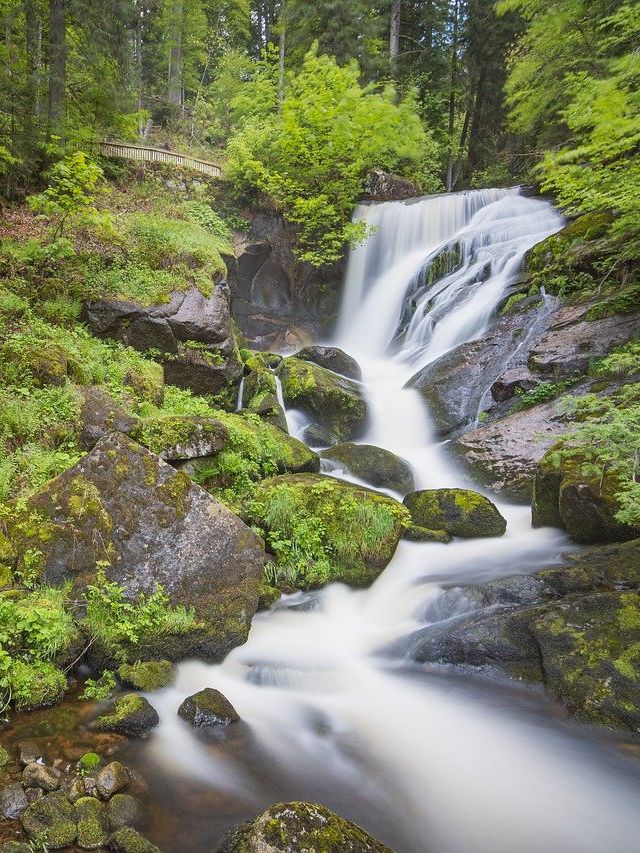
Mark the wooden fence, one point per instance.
(158, 155)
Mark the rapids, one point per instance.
(427, 759)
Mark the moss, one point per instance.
(5, 758)
(128, 840)
(51, 820)
(88, 764)
(460, 512)
(124, 810)
(163, 433)
(206, 708)
(93, 823)
(148, 675)
(174, 492)
(415, 533)
(267, 595)
(36, 684)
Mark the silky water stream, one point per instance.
(426, 758)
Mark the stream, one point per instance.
(426, 758)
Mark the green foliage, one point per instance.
(542, 393)
(311, 158)
(99, 689)
(89, 763)
(623, 361)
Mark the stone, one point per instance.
(297, 826)
(336, 403)
(112, 779)
(460, 512)
(40, 776)
(154, 526)
(332, 358)
(16, 847)
(148, 675)
(378, 467)
(415, 533)
(29, 752)
(93, 823)
(179, 437)
(208, 708)
(129, 715)
(5, 758)
(384, 186)
(13, 801)
(76, 790)
(511, 382)
(100, 415)
(51, 820)
(124, 810)
(129, 840)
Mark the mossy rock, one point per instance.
(342, 532)
(297, 826)
(51, 820)
(148, 675)
(415, 533)
(5, 758)
(332, 358)
(206, 708)
(336, 403)
(93, 823)
(378, 467)
(459, 512)
(582, 504)
(129, 715)
(129, 840)
(179, 437)
(124, 810)
(100, 415)
(268, 595)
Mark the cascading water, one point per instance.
(427, 760)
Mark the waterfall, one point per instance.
(431, 761)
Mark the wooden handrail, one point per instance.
(158, 155)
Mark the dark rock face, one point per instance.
(208, 708)
(332, 358)
(153, 525)
(288, 827)
(460, 512)
(100, 415)
(383, 186)
(130, 715)
(376, 466)
(189, 317)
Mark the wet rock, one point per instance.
(51, 820)
(100, 415)
(285, 827)
(93, 823)
(335, 402)
(176, 438)
(205, 371)
(16, 847)
(148, 675)
(332, 358)
(260, 390)
(155, 527)
(40, 776)
(128, 840)
(76, 790)
(13, 801)
(377, 467)
(415, 533)
(207, 708)
(383, 186)
(124, 810)
(460, 512)
(111, 779)
(130, 715)
(30, 752)
(512, 382)
(5, 758)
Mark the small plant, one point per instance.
(99, 689)
(88, 764)
(542, 393)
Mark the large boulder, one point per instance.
(259, 394)
(460, 512)
(51, 820)
(176, 438)
(333, 359)
(152, 525)
(384, 186)
(100, 415)
(206, 708)
(130, 715)
(377, 467)
(336, 531)
(336, 403)
(296, 826)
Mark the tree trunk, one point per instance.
(394, 35)
(175, 54)
(57, 65)
(452, 95)
(281, 54)
(32, 41)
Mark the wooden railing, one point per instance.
(158, 155)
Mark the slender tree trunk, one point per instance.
(452, 95)
(32, 40)
(57, 65)
(139, 69)
(394, 35)
(174, 92)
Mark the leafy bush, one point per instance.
(542, 393)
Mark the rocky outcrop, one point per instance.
(383, 186)
(459, 512)
(332, 358)
(123, 506)
(378, 467)
(192, 331)
(288, 827)
(100, 415)
(176, 438)
(336, 404)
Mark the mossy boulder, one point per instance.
(152, 525)
(129, 715)
(206, 708)
(124, 810)
(51, 820)
(459, 512)
(337, 531)
(100, 415)
(297, 826)
(378, 467)
(332, 358)
(260, 390)
(336, 403)
(148, 675)
(93, 823)
(583, 504)
(129, 840)
(179, 437)
(415, 533)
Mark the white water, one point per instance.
(428, 761)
